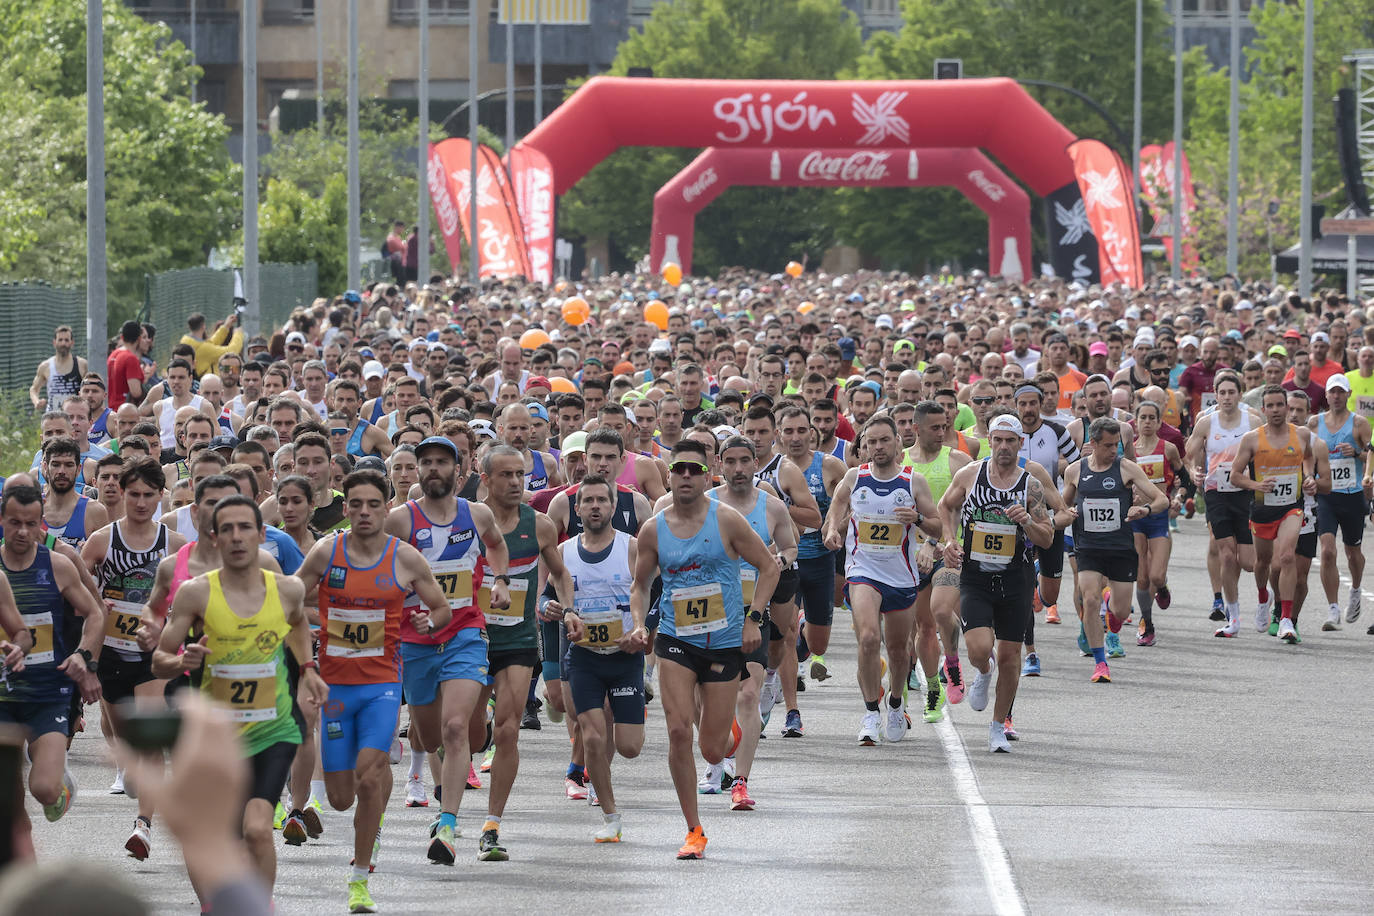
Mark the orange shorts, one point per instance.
(1269, 531)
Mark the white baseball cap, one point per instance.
(373, 369)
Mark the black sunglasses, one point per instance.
(688, 468)
(983, 399)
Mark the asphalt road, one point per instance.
(1211, 776)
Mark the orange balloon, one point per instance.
(562, 385)
(576, 311)
(672, 275)
(793, 269)
(657, 313)
(806, 307)
(532, 339)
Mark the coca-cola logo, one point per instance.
(992, 189)
(702, 182)
(859, 166)
(744, 116)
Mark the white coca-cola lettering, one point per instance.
(702, 182)
(438, 192)
(860, 166)
(992, 189)
(744, 116)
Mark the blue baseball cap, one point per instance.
(352, 296)
(538, 410)
(848, 347)
(439, 441)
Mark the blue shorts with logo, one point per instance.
(424, 667)
(1152, 526)
(893, 599)
(357, 716)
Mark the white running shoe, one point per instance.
(140, 842)
(978, 690)
(1287, 632)
(117, 787)
(1352, 608)
(1263, 611)
(415, 793)
(997, 739)
(894, 725)
(610, 830)
(868, 730)
(769, 694)
(710, 779)
(1333, 618)
(1231, 629)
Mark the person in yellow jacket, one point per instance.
(227, 338)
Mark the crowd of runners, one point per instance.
(501, 505)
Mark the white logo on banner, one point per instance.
(881, 119)
(1074, 222)
(860, 166)
(744, 117)
(1103, 189)
(703, 181)
(462, 177)
(992, 189)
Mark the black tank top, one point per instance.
(993, 543)
(624, 518)
(1103, 501)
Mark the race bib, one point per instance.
(1223, 478)
(121, 625)
(992, 543)
(698, 609)
(1209, 400)
(605, 624)
(455, 578)
(512, 616)
(1343, 473)
(748, 578)
(880, 533)
(1101, 515)
(250, 691)
(1153, 466)
(1285, 491)
(356, 633)
(40, 628)
(1364, 406)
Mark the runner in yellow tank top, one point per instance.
(255, 665)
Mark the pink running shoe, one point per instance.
(1101, 675)
(954, 682)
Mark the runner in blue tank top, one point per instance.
(1346, 437)
(697, 544)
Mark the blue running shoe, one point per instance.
(1031, 666)
(1114, 649)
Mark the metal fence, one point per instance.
(28, 314)
(170, 297)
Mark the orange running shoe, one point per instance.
(739, 796)
(1036, 604)
(1052, 614)
(694, 847)
(474, 782)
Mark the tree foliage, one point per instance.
(720, 39)
(169, 180)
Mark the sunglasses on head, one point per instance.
(688, 468)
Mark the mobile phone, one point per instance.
(150, 729)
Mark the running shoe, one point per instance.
(1333, 619)
(819, 672)
(441, 846)
(739, 796)
(935, 702)
(954, 682)
(487, 756)
(727, 774)
(1146, 639)
(576, 791)
(60, 807)
(895, 726)
(1114, 648)
(489, 848)
(434, 827)
(530, 720)
(1164, 597)
(314, 826)
(359, 900)
(1052, 614)
(868, 729)
(1229, 631)
(1287, 632)
(648, 692)
(735, 735)
(694, 847)
(801, 684)
(913, 680)
(279, 816)
(1189, 507)
(1274, 622)
(978, 690)
(1101, 674)
(395, 753)
(793, 727)
(768, 696)
(1262, 614)
(1083, 648)
(376, 849)
(293, 831)
(474, 781)
(610, 830)
(1352, 607)
(416, 797)
(1218, 610)
(1009, 731)
(1031, 666)
(1036, 604)
(117, 787)
(709, 784)
(140, 842)
(997, 739)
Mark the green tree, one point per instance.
(169, 179)
(720, 39)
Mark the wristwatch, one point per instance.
(87, 658)
(756, 616)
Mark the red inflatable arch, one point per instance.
(708, 176)
(608, 113)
